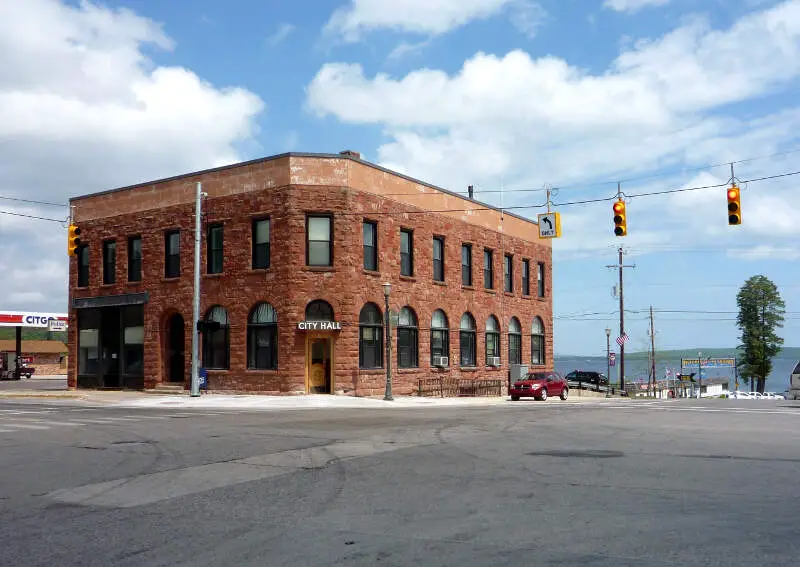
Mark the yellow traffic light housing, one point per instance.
(620, 219)
(734, 206)
(73, 239)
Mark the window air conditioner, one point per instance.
(493, 360)
(441, 361)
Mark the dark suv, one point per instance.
(587, 377)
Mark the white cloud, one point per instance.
(283, 31)
(427, 17)
(764, 252)
(632, 5)
(661, 105)
(82, 108)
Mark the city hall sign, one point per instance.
(319, 326)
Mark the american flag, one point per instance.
(623, 339)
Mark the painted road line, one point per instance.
(25, 426)
(39, 421)
(93, 421)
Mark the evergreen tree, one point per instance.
(761, 313)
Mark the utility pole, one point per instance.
(195, 390)
(621, 343)
(653, 351)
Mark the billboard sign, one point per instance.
(31, 319)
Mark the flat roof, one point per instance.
(303, 155)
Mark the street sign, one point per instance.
(549, 225)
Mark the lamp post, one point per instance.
(608, 361)
(699, 375)
(387, 289)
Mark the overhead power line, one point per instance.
(20, 200)
(32, 216)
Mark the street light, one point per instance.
(387, 289)
(608, 362)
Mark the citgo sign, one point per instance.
(33, 319)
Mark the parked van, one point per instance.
(793, 393)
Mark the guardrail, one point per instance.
(459, 387)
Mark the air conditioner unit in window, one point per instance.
(493, 360)
(441, 361)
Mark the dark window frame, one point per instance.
(538, 343)
(540, 277)
(261, 251)
(440, 335)
(492, 339)
(172, 262)
(262, 357)
(438, 264)
(83, 266)
(328, 216)
(134, 263)
(488, 270)
(370, 251)
(109, 262)
(215, 256)
(370, 349)
(508, 273)
(468, 344)
(466, 269)
(514, 342)
(217, 356)
(526, 276)
(408, 341)
(407, 258)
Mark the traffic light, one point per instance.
(620, 220)
(734, 206)
(73, 239)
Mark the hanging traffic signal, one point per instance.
(734, 206)
(620, 220)
(73, 239)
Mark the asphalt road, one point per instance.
(34, 383)
(599, 484)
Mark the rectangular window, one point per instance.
(466, 264)
(440, 343)
(172, 254)
(541, 279)
(319, 240)
(467, 340)
(407, 352)
(133, 340)
(406, 252)
(83, 266)
(135, 259)
(109, 261)
(370, 347)
(370, 232)
(488, 270)
(508, 273)
(526, 277)
(438, 258)
(88, 342)
(260, 244)
(214, 249)
(514, 349)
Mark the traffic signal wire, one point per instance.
(62, 221)
(20, 200)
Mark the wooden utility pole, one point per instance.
(621, 343)
(652, 351)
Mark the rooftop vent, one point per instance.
(350, 153)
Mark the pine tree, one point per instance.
(761, 313)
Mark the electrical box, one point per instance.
(518, 371)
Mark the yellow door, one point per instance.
(318, 363)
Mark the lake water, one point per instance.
(637, 368)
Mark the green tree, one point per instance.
(761, 312)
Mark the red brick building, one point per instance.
(295, 251)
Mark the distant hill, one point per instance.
(33, 334)
(786, 352)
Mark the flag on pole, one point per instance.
(623, 339)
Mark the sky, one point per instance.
(511, 96)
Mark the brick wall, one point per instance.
(289, 285)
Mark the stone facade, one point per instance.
(285, 189)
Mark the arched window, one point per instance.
(537, 341)
(370, 337)
(319, 310)
(467, 338)
(407, 339)
(492, 338)
(216, 341)
(440, 338)
(262, 338)
(514, 342)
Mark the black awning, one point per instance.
(111, 300)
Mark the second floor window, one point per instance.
(541, 279)
(488, 271)
(466, 265)
(214, 262)
(526, 277)
(406, 252)
(370, 231)
(109, 261)
(508, 273)
(438, 258)
(135, 259)
(319, 240)
(261, 244)
(172, 254)
(83, 266)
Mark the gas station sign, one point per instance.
(34, 319)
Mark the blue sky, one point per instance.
(501, 94)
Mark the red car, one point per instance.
(540, 385)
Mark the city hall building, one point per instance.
(296, 251)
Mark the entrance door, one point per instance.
(318, 366)
(175, 349)
(110, 344)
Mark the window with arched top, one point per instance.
(492, 338)
(514, 341)
(440, 337)
(537, 341)
(216, 339)
(370, 337)
(319, 310)
(262, 338)
(407, 339)
(468, 340)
